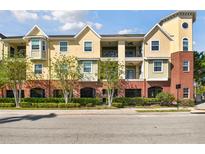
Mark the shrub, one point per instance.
(126, 101)
(151, 101)
(89, 105)
(62, 105)
(73, 105)
(7, 100)
(7, 105)
(165, 98)
(45, 105)
(84, 101)
(139, 101)
(187, 102)
(117, 104)
(43, 100)
(25, 104)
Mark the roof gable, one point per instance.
(155, 28)
(36, 31)
(84, 29)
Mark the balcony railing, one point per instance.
(38, 55)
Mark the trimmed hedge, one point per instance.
(7, 105)
(117, 104)
(138, 101)
(187, 102)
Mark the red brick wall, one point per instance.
(178, 76)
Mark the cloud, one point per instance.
(71, 20)
(25, 15)
(130, 30)
(126, 31)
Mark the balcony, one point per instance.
(17, 50)
(133, 51)
(133, 71)
(109, 50)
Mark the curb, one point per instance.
(197, 112)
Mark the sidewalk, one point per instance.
(123, 111)
(199, 109)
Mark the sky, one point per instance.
(103, 22)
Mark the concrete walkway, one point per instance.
(123, 111)
(199, 109)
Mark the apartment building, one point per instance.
(160, 60)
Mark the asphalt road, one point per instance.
(139, 128)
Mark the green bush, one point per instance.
(43, 100)
(73, 105)
(84, 101)
(140, 101)
(187, 102)
(44, 105)
(25, 104)
(7, 100)
(89, 105)
(151, 101)
(62, 105)
(165, 98)
(7, 105)
(126, 101)
(117, 104)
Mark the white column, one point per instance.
(121, 56)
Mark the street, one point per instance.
(134, 128)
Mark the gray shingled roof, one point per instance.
(122, 35)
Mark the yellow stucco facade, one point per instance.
(169, 33)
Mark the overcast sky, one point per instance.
(104, 22)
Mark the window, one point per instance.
(186, 93)
(155, 45)
(88, 46)
(10, 94)
(43, 45)
(130, 73)
(87, 66)
(57, 93)
(157, 66)
(38, 68)
(132, 92)
(35, 44)
(63, 46)
(185, 25)
(37, 93)
(185, 44)
(186, 66)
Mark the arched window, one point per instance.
(153, 91)
(185, 44)
(87, 92)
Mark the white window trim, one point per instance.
(91, 69)
(183, 43)
(39, 40)
(162, 66)
(34, 69)
(151, 46)
(84, 46)
(188, 93)
(188, 66)
(60, 46)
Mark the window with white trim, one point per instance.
(38, 68)
(63, 46)
(185, 92)
(157, 66)
(155, 45)
(87, 46)
(35, 44)
(185, 44)
(87, 66)
(186, 66)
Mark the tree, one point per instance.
(14, 74)
(67, 70)
(110, 73)
(199, 67)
